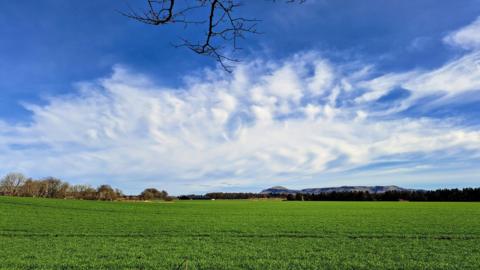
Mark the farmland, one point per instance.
(73, 234)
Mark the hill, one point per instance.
(278, 190)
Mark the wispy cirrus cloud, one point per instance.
(467, 37)
(272, 121)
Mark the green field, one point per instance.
(69, 234)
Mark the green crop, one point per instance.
(70, 234)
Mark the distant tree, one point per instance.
(448, 195)
(185, 197)
(30, 188)
(83, 192)
(118, 192)
(153, 194)
(11, 184)
(51, 187)
(16, 184)
(75, 191)
(106, 193)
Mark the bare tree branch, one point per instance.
(223, 26)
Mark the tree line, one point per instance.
(448, 195)
(17, 184)
(439, 195)
(230, 196)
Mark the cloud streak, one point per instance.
(467, 37)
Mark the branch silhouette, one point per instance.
(224, 28)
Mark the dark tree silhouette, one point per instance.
(153, 194)
(222, 24)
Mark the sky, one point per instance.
(330, 93)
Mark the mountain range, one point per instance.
(278, 190)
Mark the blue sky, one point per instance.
(332, 93)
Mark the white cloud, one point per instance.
(268, 122)
(460, 75)
(294, 120)
(380, 86)
(442, 85)
(467, 37)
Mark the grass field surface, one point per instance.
(69, 234)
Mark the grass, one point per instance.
(68, 234)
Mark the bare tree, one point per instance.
(16, 184)
(30, 188)
(223, 27)
(11, 183)
(84, 192)
(106, 193)
(51, 187)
